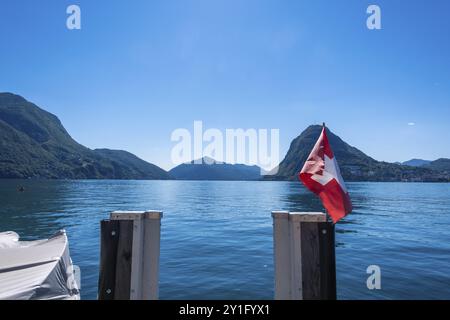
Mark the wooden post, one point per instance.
(304, 256)
(129, 256)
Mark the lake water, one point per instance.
(216, 237)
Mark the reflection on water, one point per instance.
(216, 239)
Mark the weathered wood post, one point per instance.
(304, 255)
(129, 256)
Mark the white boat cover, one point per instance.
(36, 270)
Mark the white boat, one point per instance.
(36, 270)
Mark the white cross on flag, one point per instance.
(321, 175)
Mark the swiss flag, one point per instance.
(321, 175)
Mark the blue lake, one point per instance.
(216, 237)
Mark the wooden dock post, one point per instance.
(129, 256)
(304, 255)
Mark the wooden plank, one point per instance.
(296, 261)
(137, 258)
(151, 254)
(327, 261)
(123, 261)
(109, 235)
(282, 255)
(310, 260)
(307, 216)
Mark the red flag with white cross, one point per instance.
(321, 175)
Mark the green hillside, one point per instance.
(34, 144)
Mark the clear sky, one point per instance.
(137, 70)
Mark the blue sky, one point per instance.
(139, 69)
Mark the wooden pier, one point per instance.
(129, 256)
(304, 256)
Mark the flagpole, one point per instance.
(328, 216)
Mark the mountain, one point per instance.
(416, 162)
(209, 169)
(442, 165)
(34, 144)
(127, 164)
(354, 164)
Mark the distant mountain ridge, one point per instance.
(209, 169)
(34, 144)
(441, 165)
(354, 164)
(416, 162)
